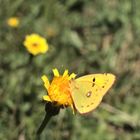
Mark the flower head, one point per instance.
(36, 44)
(51, 32)
(13, 22)
(59, 89)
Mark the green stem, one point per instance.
(43, 124)
(51, 111)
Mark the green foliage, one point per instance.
(84, 36)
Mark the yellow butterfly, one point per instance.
(87, 91)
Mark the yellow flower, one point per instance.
(59, 90)
(13, 22)
(36, 44)
(51, 32)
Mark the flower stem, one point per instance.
(43, 124)
(51, 110)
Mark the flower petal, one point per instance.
(47, 98)
(65, 73)
(73, 75)
(46, 81)
(55, 72)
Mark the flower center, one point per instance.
(59, 91)
(35, 45)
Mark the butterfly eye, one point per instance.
(89, 93)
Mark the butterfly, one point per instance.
(87, 91)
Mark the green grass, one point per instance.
(85, 36)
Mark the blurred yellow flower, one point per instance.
(36, 44)
(59, 89)
(51, 32)
(13, 22)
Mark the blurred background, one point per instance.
(84, 36)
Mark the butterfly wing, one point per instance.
(88, 91)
